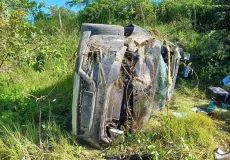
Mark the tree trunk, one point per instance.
(59, 15)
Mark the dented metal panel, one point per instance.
(117, 81)
(115, 102)
(87, 104)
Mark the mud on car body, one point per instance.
(122, 77)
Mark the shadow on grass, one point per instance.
(223, 119)
(21, 108)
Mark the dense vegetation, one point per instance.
(36, 75)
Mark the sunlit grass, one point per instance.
(17, 142)
(191, 136)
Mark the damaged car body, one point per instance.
(122, 77)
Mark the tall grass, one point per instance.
(19, 118)
(21, 142)
(194, 136)
(191, 136)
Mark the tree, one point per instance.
(119, 11)
(21, 41)
(78, 2)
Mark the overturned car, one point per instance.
(122, 77)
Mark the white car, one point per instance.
(121, 79)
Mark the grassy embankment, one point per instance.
(194, 136)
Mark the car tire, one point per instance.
(103, 29)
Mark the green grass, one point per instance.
(194, 136)
(21, 142)
(19, 118)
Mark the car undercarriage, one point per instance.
(123, 76)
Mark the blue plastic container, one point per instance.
(211, 106)
(224, 106)
(186, 70)
(226, 81)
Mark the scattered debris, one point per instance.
(219, 154)
(217, 91)
(131, 157)
(179, 114)
(226, 81)
(199, 110)
(224, 106)
(188, 64)
(211, 106)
